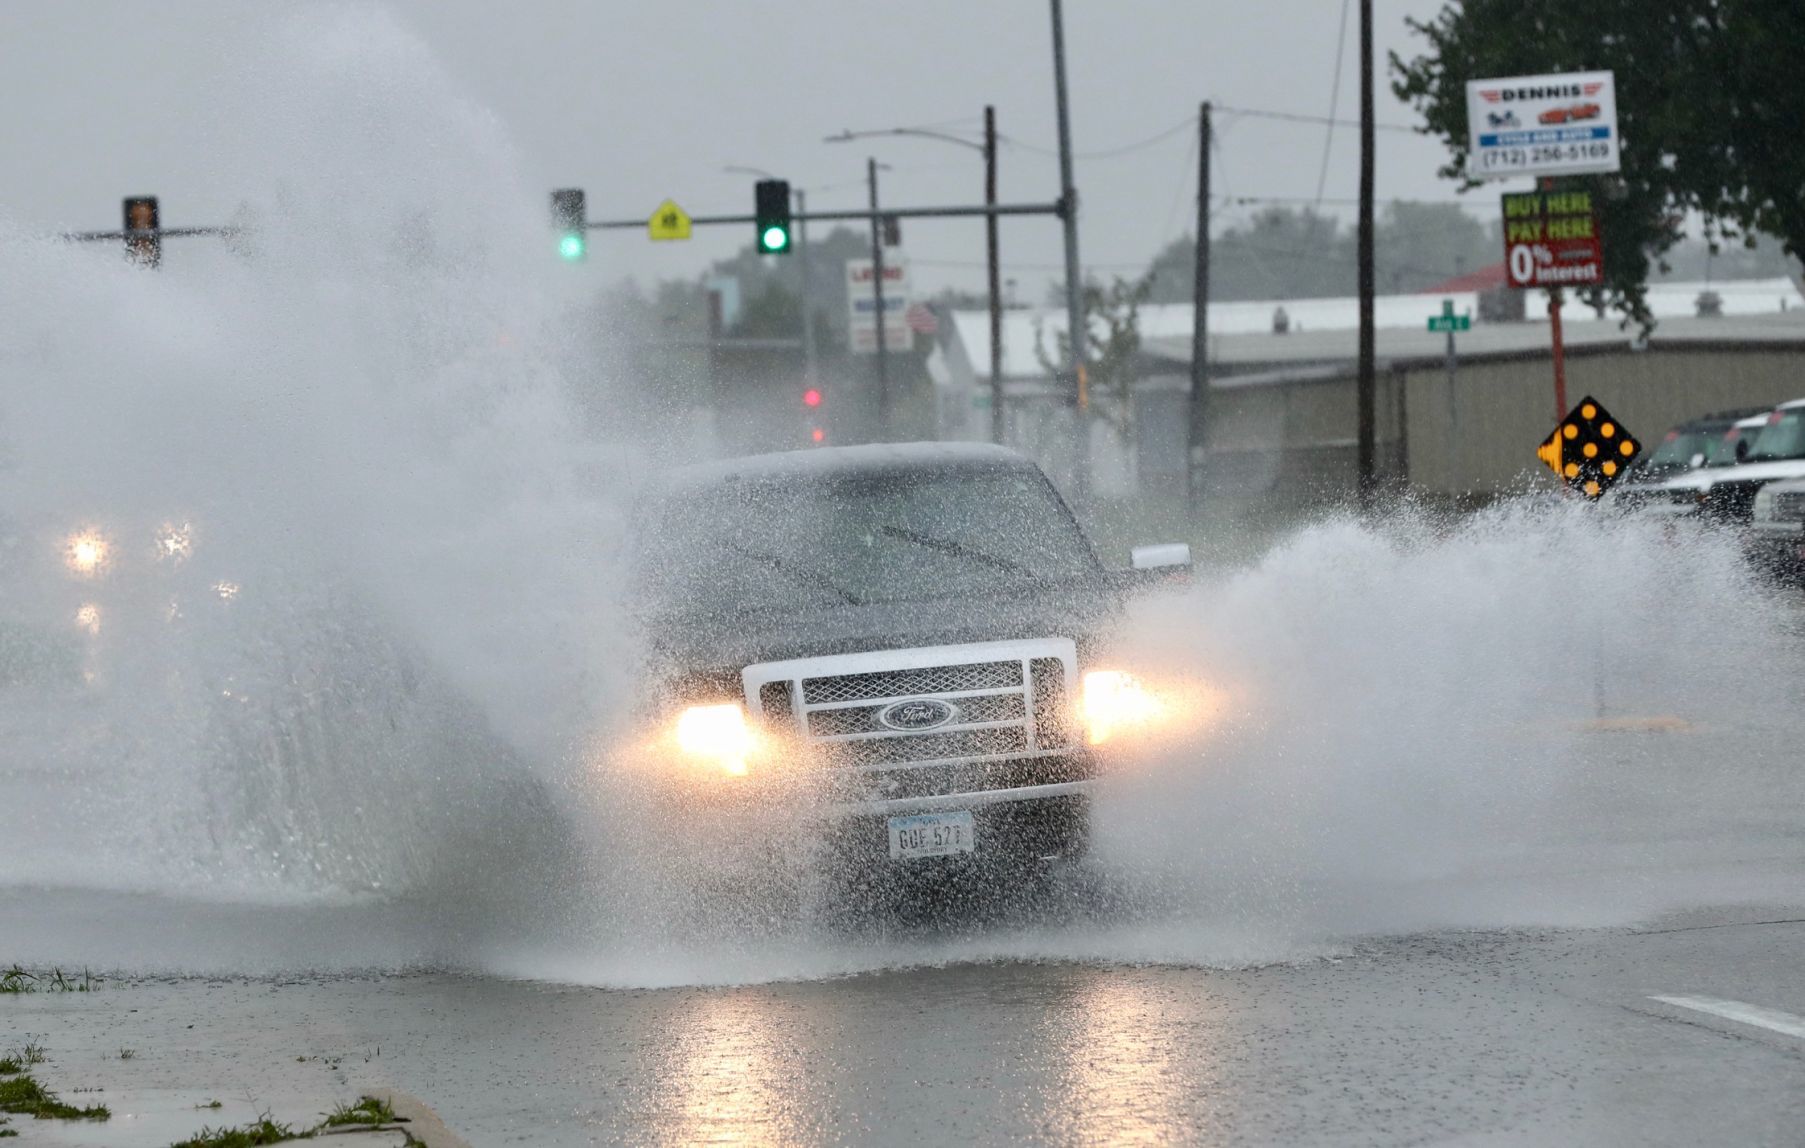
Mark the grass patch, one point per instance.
(17, 1061)
(264, 1131)
(22, 1095)
(368, 1112)
(20, 980)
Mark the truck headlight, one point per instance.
(1114, 701)
(1764, 504)
(717, 734)
(86, 552)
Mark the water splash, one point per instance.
(348, 726)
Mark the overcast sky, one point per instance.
(636, 101)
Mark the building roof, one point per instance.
(1324, 330)
(1531, 336)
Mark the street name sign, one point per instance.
(1562, 124)
(1448, 320)
(1589, 450)
(1551, 239)
(668, 222)
(862, 308)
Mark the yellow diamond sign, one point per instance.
(668, 222)
(1589, 450)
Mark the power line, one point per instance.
(1300, 118)
(1111, 152)
(1328, 136)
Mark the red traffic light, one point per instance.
(811, 397)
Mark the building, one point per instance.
(1282, 403)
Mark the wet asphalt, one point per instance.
(1452, 1038)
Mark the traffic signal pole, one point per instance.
(1200, 319)
(1366, 383)
(877, 295)
(994, 270)
(808, 313)
(1076, 331)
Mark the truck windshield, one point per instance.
(765, 546)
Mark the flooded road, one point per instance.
(1451, 1038)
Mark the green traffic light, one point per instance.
(571, 246)
(774, 238)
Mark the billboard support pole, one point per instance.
(1560, 354)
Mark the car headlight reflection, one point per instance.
(1115, 701)
(718, 735)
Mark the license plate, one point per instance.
(932, 835)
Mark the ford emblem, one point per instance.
(916, 714)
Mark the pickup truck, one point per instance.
(893, 650)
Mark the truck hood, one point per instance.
(678, 645)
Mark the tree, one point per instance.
(1112, 320)
(1290, 253)
(1708, 102)
(827, 256)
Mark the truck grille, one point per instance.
(998, 700)
(912, 683)
(1789, 506)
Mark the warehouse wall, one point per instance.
(1293, 442)
(1485, 440)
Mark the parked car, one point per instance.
(1778, 452)
(1708, 440)
(1777, 528)
(896, 651)
(1683, 492)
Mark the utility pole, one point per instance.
(1200, 318)
(808, 315)
(993, 263)
(877, 295)
(1365, 383)
(1074, 285)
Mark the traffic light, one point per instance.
(771, 207)
(811, 398)
(143, 236)
(892, 231)
(569, 214)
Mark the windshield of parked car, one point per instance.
(1722, 450)
(1678, 448)
(859, 540)
(1782, 437)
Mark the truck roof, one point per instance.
(828, 463)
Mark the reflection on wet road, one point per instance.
(1522, 1038)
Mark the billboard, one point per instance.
(1551, 239)
(1542, 125)
(862, 307)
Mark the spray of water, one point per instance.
(394, 587)
(372, 691)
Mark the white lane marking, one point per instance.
(1768, 1018)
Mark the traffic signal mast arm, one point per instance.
(165, 232)
(978, 210)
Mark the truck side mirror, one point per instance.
(1159, 564)
(1160, 555)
